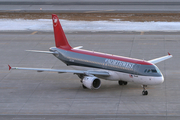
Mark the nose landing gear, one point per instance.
(144, 92)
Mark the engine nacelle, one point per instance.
(91, 82)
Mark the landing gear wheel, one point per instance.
(145, 92)
(122, 82)
(125, 83)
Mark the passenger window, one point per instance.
(148, 71)
(145, 70)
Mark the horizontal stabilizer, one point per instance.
(78, 47)
(37, 51)
(157, 60)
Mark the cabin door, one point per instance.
(136, 69)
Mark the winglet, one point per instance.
(157, 60)
(9, 67)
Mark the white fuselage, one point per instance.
(116, 76)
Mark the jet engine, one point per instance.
(91, 82)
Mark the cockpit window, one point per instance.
(154, 71)
(150, 71)
(158, 71)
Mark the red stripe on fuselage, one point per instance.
(114, 57)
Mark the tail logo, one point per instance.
(55, 20)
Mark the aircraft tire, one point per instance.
(125, 83)
(145, 92)
(122, 82)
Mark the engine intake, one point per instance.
(91, 82)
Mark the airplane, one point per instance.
(93, 65)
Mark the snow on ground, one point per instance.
(116, 25)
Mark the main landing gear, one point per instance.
(122, 82)
(144, 92)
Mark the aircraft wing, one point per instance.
(101, 73)
(157, 60)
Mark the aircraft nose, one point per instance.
(160, 79)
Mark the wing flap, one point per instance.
(160, 59)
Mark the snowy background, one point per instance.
(93, 26)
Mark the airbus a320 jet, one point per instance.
(95, 65)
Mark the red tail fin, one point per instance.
(60, 38)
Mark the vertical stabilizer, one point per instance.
(60, 38)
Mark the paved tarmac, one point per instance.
(30, 95)
(89, 6)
